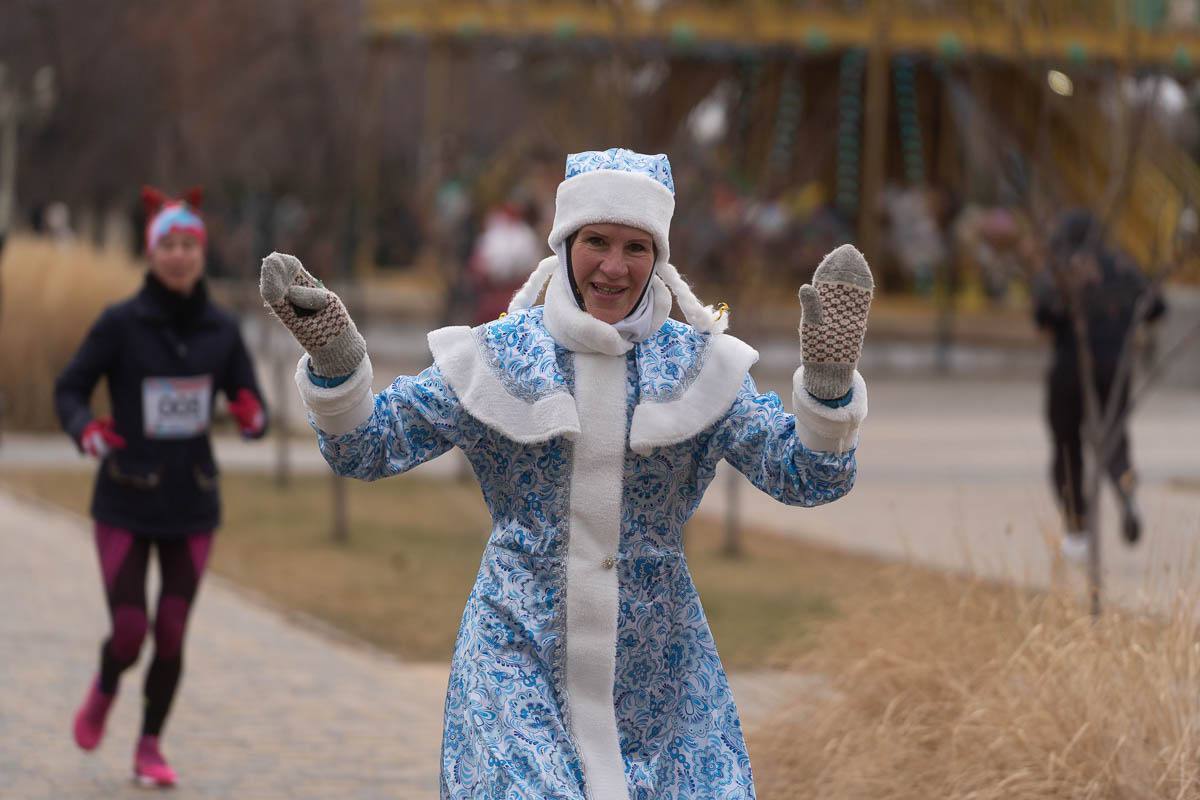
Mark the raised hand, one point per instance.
(248, 413)
(833, 322)
(99, 438)
(313, 314)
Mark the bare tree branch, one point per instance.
(1067, 269)
(1155, 372)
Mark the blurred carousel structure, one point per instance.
(856, 95)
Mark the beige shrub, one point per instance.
(49, 297)
(954, 690)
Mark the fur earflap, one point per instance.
(704, 319)
(528, 294)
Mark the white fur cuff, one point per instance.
(825, 429)
(342, 408)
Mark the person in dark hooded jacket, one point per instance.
(164, 352)
(1110, 286)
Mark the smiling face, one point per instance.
(177, 260)
(611, 264)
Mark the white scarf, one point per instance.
(638, 324)
(580, 332)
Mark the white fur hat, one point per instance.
(619, 186)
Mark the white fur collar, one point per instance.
(580, 332)
(661, 423)
(687, 380)
(523, 419)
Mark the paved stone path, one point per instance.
(267, 709)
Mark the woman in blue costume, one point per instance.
(584, 667)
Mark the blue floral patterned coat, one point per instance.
(506, 394)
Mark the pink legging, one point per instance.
(124, 559)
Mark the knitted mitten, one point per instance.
(833, 322)
(313, 314)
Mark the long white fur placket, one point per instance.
(592, 570)
(593, 550)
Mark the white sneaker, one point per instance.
(1075, 548)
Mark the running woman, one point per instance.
(165, 352)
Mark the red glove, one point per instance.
(99, 439)
(248, 412)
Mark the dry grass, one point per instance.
(1185, 484)
(956, 690)
(51, 296)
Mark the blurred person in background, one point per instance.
(915, 233)
(500, 261)
(584, 664)
(455, 222)
(164, 353)
(58, 223)
(995, 242)
(1109, 287)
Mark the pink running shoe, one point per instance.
(150, 769)
(89, 719)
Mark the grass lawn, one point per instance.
(415, 545)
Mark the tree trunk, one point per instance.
(283, 459)
(341, 522)
(1093, 473)
(733, 532)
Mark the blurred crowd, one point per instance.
(725, 235)
(722, 234)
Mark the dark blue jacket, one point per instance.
(164, 482)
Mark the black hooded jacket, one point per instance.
(1109, 298)
(164, 357)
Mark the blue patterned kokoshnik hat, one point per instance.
(657, 168)
(619, 186)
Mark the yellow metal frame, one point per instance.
(764, 23)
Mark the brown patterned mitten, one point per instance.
(313, 314)
(833, 322)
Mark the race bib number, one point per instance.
(176, 408)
